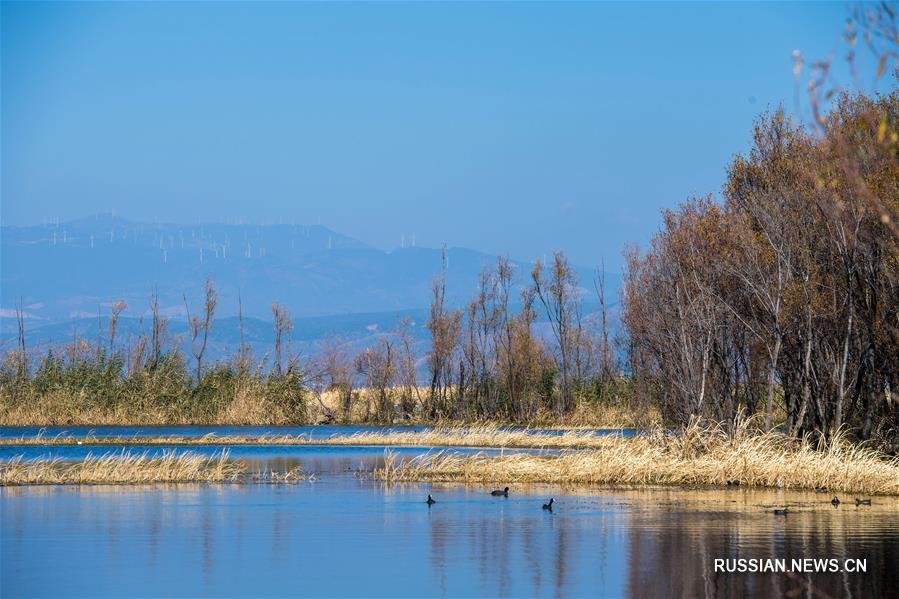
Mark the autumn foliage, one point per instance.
(783, 298)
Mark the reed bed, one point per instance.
(123, 467)
(252, 403)
(486, 436)
(210, 439)
(698, 455)
(62, 409)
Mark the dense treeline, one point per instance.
(786, 293)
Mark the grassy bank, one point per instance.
(258, 405)
(150, 401)
(700, 455)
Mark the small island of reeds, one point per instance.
(700, 454)
(127, 467)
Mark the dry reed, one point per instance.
(124, 467)
(60, 408)
(485, 435)
(699, 455)
(249, 405)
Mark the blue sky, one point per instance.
(505, 127)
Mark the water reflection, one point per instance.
(659, 567)
(345, 536)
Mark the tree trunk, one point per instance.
(772, 375)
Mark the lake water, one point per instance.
(345, 535)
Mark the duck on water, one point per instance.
(504, 493)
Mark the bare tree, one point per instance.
(406, 375)
(283, 325)
(199, 327)
(505, 330)
(378, 366)
(530, 361)
(556, 291)
(605, 349)
(114, 312)
(335, 375)
(479, 345)
(243, 351)
(158, 326)
(445, 328)
(99, 346)
(22, 361)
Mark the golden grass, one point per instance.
(700, 455)
(586, 414)
(249, 406)
(124, 467)
(485, 435)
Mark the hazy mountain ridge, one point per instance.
(333, 285)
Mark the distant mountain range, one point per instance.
(332, 284)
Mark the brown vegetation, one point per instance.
(121, 467)
(700, 455)
(487, 435)
(789, 291)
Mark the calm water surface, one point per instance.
(343, 535)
